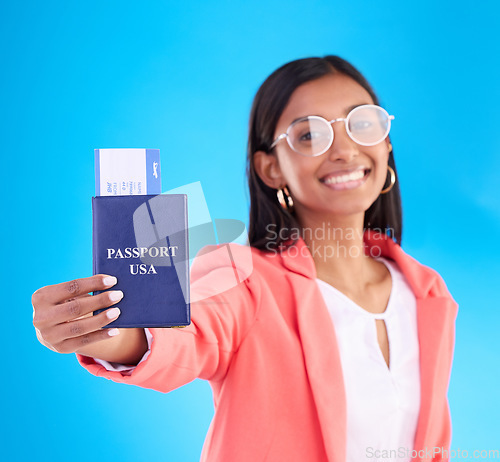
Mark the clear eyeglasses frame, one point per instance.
(311, 136)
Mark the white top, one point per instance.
(382, 403)
(126, 370)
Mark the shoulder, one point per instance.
(218, 268)
(425, 281)
(241, 258)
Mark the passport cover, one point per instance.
(143, 241)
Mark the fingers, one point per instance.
(72, 336)
(59, 293)
(76, 308)
(74, 344)
(88, 314)
(62, 313)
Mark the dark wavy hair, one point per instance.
(385, 214)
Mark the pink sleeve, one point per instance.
(222, 312)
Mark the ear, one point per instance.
(388, 143)
(267, 167)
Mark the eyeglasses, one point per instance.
(312, 136)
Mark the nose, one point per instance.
(343, 147)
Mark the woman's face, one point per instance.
(319, 185)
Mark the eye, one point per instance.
(310, 136)
(309, 132)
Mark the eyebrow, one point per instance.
(346, 111)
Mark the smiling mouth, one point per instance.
(353, 177)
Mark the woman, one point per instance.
(336, 345)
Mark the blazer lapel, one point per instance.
(321, 355)
(432, 317)
(324, 369)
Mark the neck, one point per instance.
(337, 247)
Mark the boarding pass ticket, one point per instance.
(125, 172)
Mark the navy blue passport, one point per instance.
(143, 241)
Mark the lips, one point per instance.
(346, 176)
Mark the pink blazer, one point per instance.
(267, 346)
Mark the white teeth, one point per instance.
(357, 175)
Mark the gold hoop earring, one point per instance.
(393, 180)
(285, 199)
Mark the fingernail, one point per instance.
(113, 332)
(109, 281)
(113, 313)
(115, 295)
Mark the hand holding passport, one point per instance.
(141, 239)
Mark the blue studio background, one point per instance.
(180, 76)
